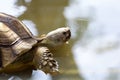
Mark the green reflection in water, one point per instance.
(48, 15)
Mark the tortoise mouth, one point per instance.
(67, 34)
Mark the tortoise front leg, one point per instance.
(43, 59)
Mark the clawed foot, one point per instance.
(48, 63)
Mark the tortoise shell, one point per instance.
(15, 39)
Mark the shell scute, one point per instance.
(7, 36)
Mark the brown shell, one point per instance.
(15, 39)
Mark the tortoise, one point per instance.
(19, 48)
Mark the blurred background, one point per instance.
(93, 52)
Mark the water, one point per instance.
(10, 7)
(96, 52)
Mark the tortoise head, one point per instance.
(59, 36)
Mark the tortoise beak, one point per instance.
(68, 34)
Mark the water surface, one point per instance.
(93, 52)
(96, 51)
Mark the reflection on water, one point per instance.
(31, 26)
(8, 6)
(97, 52)
(40, 75)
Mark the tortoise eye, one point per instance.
(64, 33)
